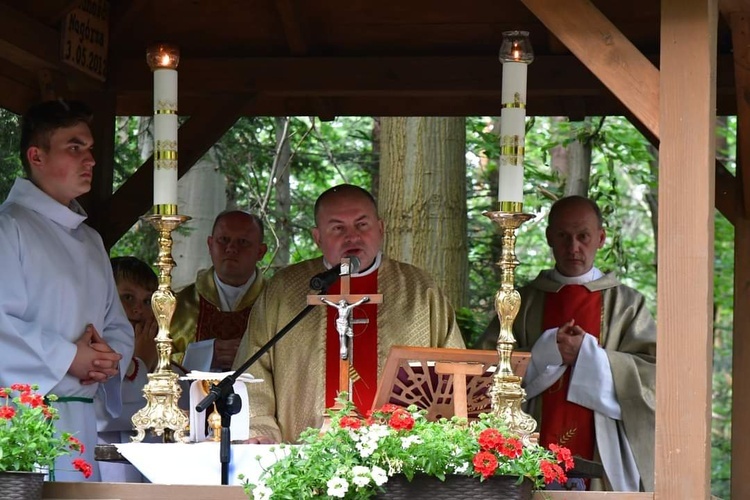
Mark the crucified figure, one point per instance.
(344, 321)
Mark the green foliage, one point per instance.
(355, 457)
(10, 162)
(28, 440)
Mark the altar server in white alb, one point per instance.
(61, 322)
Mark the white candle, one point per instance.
(515, 54)
(512, 133)
(165, 136)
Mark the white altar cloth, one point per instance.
(198, 463)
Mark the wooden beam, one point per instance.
(16, 97)
(293, 32)
(103, 105)
(726, 192)
(739, 23)
(687, 155)
(606, 52)
(195, 137)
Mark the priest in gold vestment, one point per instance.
(217, 306)
(300, 374)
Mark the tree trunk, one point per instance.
(423, 197)
(283, 198)
(573, 161)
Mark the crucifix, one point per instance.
(345, 302)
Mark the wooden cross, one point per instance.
(345, 363)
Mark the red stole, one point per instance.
(364, 353)
(563, 422)
(214, 323)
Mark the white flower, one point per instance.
(262, 492)
(361, 475)
(407, 441)
(462, 468)
(379, 475)
(337, 487)
(367, 448)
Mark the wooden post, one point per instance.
(459, 371)
(686, 238)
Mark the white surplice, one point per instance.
(56, 280)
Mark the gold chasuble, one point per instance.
(293, 394)
(565, 423)
(198, 315)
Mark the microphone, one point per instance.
(327, 278)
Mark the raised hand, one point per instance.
(569, 340)
(145, 343)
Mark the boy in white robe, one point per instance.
(61, 322)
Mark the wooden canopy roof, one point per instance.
(424, 58)
(327, 58)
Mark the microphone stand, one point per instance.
(228, 403)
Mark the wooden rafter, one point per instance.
(737, 15)
(726, 189)
(606, 52)
(293, 32)
(201, 131)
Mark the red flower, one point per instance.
(350, 423)
(552, 472)
(485, 463)
(5, 392)
(389, 408)
(31, 399)
(512, 448)
(83, 466)
(401, 420)
(563, 455)
(76, 444)
(7, 412)
(21, 387)
(490, 439)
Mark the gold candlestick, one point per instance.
(161, 413)
(506, 392)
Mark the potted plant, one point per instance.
(393, 447)
(29, 444)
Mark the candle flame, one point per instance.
(165, 60)
(516, 52)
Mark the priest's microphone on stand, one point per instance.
(227, 402)
(325, 279)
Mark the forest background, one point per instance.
(276, 167)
